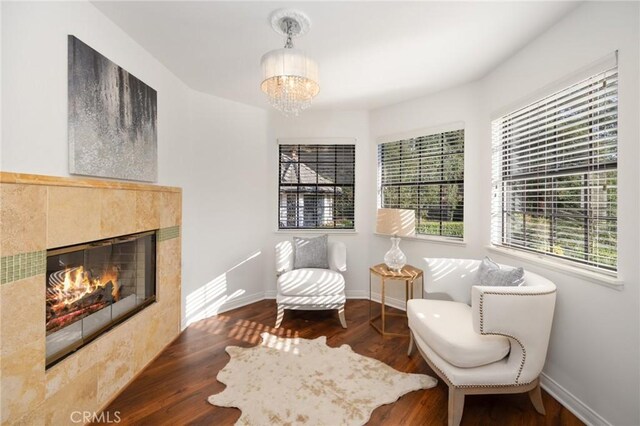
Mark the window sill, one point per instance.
(610, 281)
(317, 231)
(431, 239)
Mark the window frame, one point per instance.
(316, 142)
(584, 268)
(441, 130)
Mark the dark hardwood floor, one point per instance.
(174, 388)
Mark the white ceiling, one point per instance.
(370, 54)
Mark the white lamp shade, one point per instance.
(399, 222)
(288, 62)
(290, 80)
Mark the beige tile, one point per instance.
(22, 313)
(141, 326)
(147, 346)
(35, 417)
(22, 375)
(65, 372)
(117, 212)
(170, 209)
(169, 291)
(22, 178)
(169, 258)
(147, 210)
(62, 407)
(23, 219)
(170, 325)
(74, 216)
(116, 363)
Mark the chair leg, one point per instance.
(535, 395)
(411, 343)
(343, 321)
(456, 406)
(279, 316)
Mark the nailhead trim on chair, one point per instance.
(492, 386)
(443, 374)
(524, 351)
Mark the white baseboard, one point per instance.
(389, 301)
(238, 302)
(271, 294)
(351, 294)
(357, 294)
(573, 404)
(234, 303)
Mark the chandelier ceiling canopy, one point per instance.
(290, 78)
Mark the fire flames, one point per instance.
(74, 293)
(78, 283)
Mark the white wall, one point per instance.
(34, 84)
(593, 361)
(458, 105)
(327, 124)
(214, 149)
(595, 350)
(225, 203)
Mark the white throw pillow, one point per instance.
(311, 252)
(491, 274)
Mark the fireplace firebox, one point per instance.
(94, 286)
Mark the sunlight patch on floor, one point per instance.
(243, 330)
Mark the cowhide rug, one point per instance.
(301, 381)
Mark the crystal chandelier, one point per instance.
(290, 78)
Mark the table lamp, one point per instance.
(397, 223)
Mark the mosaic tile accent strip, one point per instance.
(168, 233)
(23, 265)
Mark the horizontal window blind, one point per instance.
(426, 174)
(554, 174)
(316, 186)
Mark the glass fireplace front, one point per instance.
(92, 287)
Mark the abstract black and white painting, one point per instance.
(112, 119)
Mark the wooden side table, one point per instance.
(409, 274)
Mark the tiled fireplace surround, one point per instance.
(41, 212)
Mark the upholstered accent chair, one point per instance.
(311, 288)
(482, 339)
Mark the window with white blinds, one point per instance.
(555, 174)
(426, 174)
(316, 186)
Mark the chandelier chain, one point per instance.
(289, 43)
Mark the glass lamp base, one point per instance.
(395, 259)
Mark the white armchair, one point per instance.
(482, 339)
(311, 288)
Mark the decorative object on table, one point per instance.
(112, 118)
(397, 223)
(290, 78)
(483, 339)
(409, 274)
(311, 288)
(296, 381)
